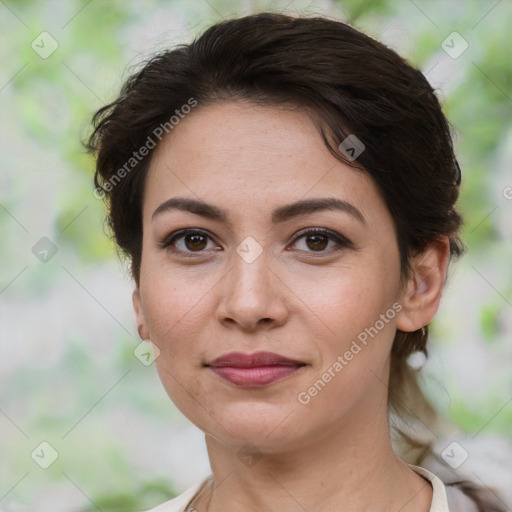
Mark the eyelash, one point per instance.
(341, 241)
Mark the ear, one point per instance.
(142, 328)
(422, 292)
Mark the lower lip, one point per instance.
(256, 376)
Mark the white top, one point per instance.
(458, 501)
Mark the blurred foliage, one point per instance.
(53, 101)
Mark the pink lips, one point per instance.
(254, 370)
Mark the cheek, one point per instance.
(176, 309)
(174, 301)
(353, 354)
(177, 320)
(356, 314)
(350, 300)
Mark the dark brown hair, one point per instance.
(350, 85)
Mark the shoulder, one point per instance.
(446, 498)
(458, 501)
(439, 496)
(180, 503)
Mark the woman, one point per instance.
(285, 190)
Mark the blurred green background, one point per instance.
(68, 374)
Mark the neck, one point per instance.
(352, 464)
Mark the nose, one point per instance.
(253, 296)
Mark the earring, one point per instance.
(416, 360)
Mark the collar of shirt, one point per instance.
(439, 496)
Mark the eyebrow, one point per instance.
(280, 214)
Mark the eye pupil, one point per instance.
(198, 241)
(319, 241)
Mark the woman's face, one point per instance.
(252, 277)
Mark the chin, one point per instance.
(270, 429)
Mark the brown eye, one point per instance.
(317, 242)
(320, 241)
(195, 242)
(187, 241)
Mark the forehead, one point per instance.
(242, 155)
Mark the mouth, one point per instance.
(254, 370)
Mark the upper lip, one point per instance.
(241, 360)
